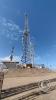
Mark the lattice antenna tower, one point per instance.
(32, 53)
(26, 43)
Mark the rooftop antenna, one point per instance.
(11, 56)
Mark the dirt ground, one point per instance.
(15, 78)
(50, 96)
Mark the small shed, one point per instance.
(28, 65)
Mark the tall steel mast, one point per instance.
(26, 43)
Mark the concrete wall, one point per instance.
(11, 64)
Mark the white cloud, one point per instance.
(7, 58)
(9, 29)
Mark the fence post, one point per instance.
(1, 82)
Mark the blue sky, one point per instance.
(42, 24)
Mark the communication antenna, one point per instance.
(12, 52)
(26, 43)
